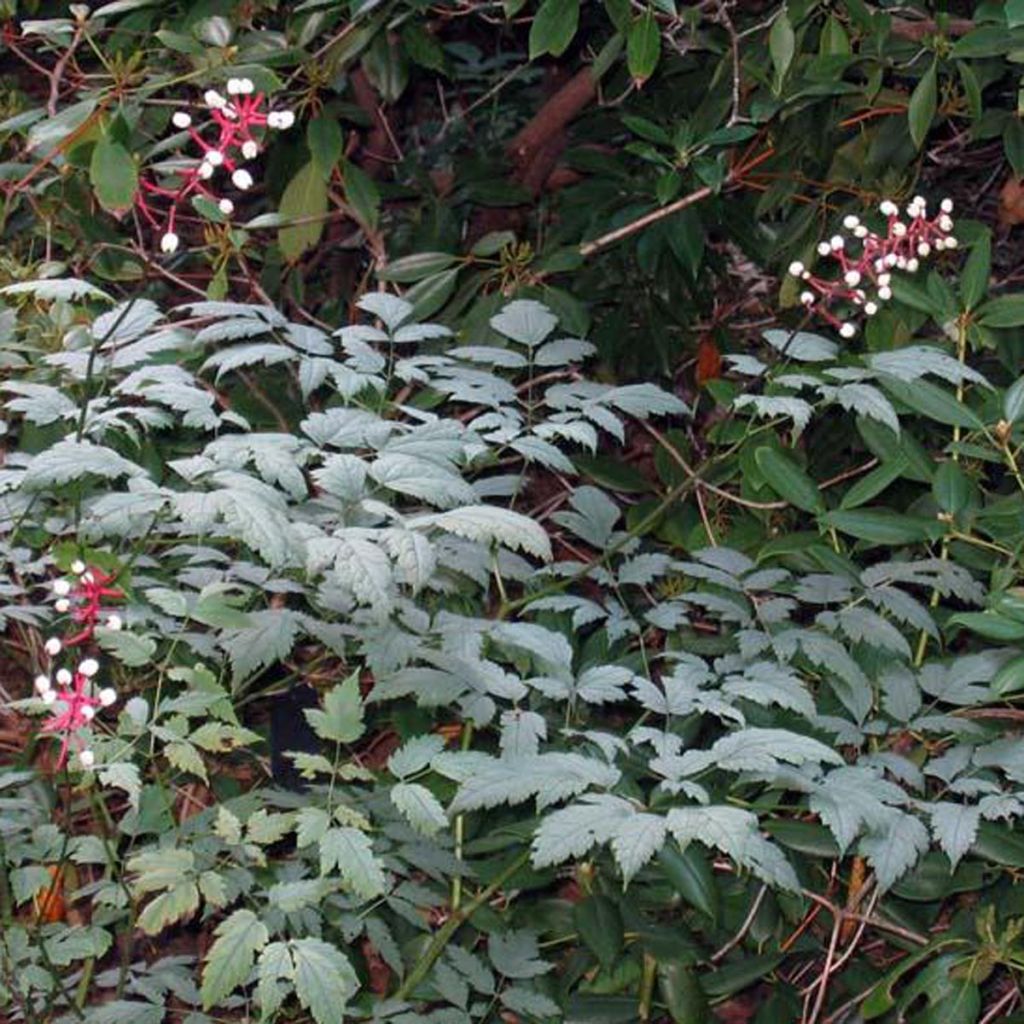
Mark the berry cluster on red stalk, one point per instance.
(75, 695)
(229, 137)
(867, 259)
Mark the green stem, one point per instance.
(444, 934)
(961, 355)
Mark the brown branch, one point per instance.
(552, 118)
(916, 30)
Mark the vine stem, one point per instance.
(444, 934)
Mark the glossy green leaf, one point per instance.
(326, 142)
(643, 47)
(782, 47)
(880, 525)
(1010, 678)
(553, 27)
(952, 488)
(114, 176)
(691, 875)
(305, 201)
(682, 994)
(974, 277)
(362, 194)
(789, 480)
(990, 625)
(1004, 311)
(416, 267)
(599, 924)
(923, 104)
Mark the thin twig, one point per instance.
(57, 74)
(744, 928)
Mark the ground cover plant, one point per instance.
(511, 512)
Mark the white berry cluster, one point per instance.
(75, 696)
(230, 136)
(866, 260)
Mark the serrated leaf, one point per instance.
(350, 852)
(324, 979)
(515, 954)
(895, 848)
(525, 321)
(419, 807)
(267, 640)
(955, 827)
(175, 904)
(70, 460)
(231, 957)
(488, 523)
(636, 841)
(341, 720)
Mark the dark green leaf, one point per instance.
(727, 979)
(553, 27)
(782, 47)
(1004, 311)
(923, 103)
(114, 176)
(599, 923)
(643, 47)
(431, 293)
(880, 525)
(1013, 144)
(325, 141)
(682, 994)
(984, 41)
(990, 625)
(305, 200)
(951, 488)
(416, 267)
(691, 875)
(974, 278)
(788, 480)
(1010, 678)
(362, 194)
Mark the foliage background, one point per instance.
(661, 653)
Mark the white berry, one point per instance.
(181, 119)
(242, 179)
(52, 646)
(169, 242)
(86, 758)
